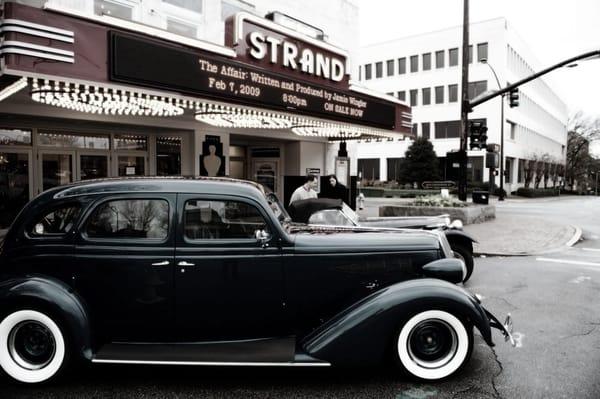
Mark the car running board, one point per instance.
(262, 352)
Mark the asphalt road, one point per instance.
(554, 300)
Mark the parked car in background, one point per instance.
(210, 271)
(326, 211)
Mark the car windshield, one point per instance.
(353, 216)
(278, 209)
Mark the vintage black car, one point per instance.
(211, 272)
(335, 212)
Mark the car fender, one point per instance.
(364, 332)
(53, 296)
(459, 237)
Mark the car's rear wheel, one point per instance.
(434, 344)
(466, 256)
(33, 347)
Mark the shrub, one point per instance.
(537, 192)
(437, 200)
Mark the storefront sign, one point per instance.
(142, 62)
(272, 47)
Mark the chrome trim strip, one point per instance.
(39, 33)
(38, 54)
(25, 45)
(37, 26)
(190, 363)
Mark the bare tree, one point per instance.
(582, 131)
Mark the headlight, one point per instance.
(456, 224)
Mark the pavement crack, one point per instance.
(496, 392)
(595, 325)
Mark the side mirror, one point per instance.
(262, 237)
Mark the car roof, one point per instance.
(162, 184)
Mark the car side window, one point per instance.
(58, 221)
(205, 220)
(130, 219)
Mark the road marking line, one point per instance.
(571, 262)
(591, 249)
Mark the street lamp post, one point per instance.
(501, 194)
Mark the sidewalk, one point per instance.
(520, 235)
(506, 235)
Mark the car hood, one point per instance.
(360, 239)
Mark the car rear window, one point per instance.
(56, 222)
(130, 219)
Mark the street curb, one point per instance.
(572, 241)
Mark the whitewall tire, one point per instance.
(433, 345)
(32, 346)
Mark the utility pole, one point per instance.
(464, 108)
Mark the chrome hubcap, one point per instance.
(432, 343)
(31, 345)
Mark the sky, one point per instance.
(553, 29)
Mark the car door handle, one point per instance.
(184, 263)
(163, 263)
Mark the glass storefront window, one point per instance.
(14, 185)
(15, 137)
(131, 166)
(131, 142)
(93, 166)
(168, 156)
(72, 140)
(56, 170)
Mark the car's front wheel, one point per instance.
(33, 347)
(433, 345)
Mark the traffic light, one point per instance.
(478, 135)
(513, 98)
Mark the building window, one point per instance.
(15, 137)
(368, 72)
(379, 69)
(359, 72)
(513, 130)
(447, 130)
(426, 61)
(453, 57)
(476, 174)
(414, 63)
(521, 171)
(476, 88)
(402, 95)
(425, 130)
(439, 59)
(390, 67)
(181, 28)
(394, 166)
(368, 168)
(415, 129)
(482, 51)
(192, 5)
(508, 170)
(413, 98)
(439, 94)
(401, 65)
(232, 7)
(470, 55)
(426, 96)
(453, 93)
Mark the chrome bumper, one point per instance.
(505, 328)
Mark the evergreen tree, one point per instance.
(420, 163)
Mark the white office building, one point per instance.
(425, 71)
